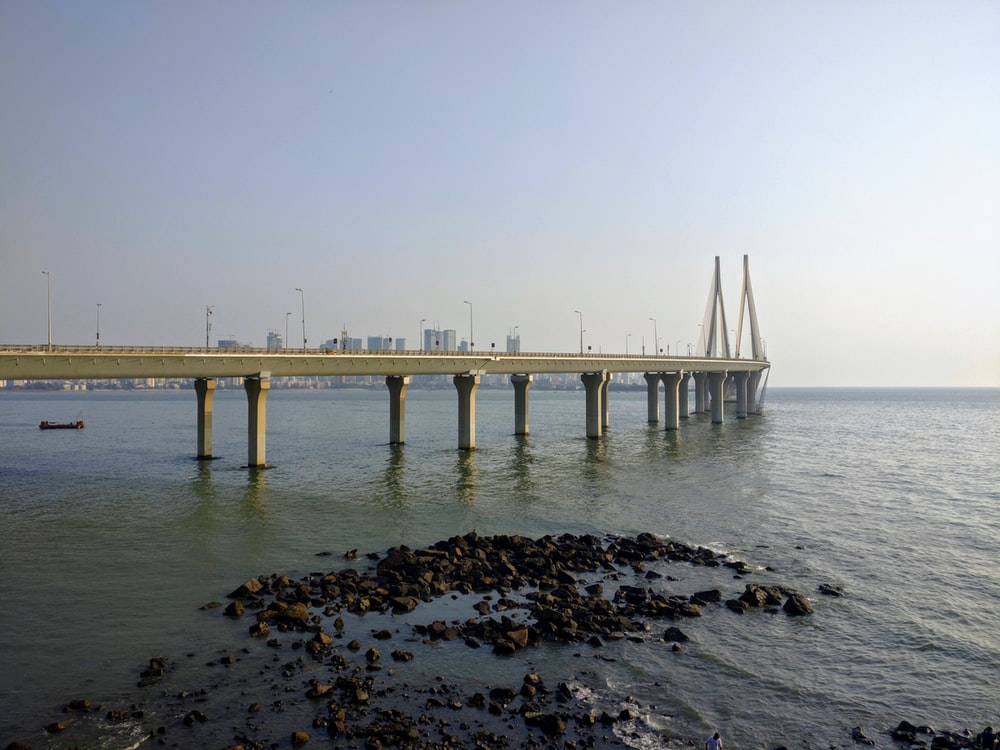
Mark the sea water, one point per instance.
(112, 537)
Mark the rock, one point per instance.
(234, 609)
(675, 635)
(372, 655)
(859, 736)
(247, 589)
(299, 738)
(829, 589)
(797, 605)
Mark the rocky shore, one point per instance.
(312, 675)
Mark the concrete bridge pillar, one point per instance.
(653, 396)
(699, 391)
(682, 394)
(671, 383)
(257, 388)
(753, 383)
(397, 385)
(205, 389)
(605, 403)
(521, 383)
(594, 382)
(716, 381)
(740, 382)
(466, 386)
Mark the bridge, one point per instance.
(713, 370)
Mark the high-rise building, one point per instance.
(275, 340)
(514, 344)
(399, 344)
(449, 340)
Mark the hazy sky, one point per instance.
(394, 159)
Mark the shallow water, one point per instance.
(113, 536)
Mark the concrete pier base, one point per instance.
(740, 383)
(594, 383)
(205, 390)
(671, 385)
(700, 392)
(466, 385)
(716, 380)
(682, 396)
(521, 383)
(257, 389)
(397, 385)
(652, 396)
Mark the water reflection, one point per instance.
(395, 470)
(467, 473)
(596, 468)
(521, 464)
(252, 502)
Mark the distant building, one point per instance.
(449, 340)
(514, 344)
(400, 344)
(231, 344)
(275, 340)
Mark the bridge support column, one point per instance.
(740, 381)
(753, 383)
(653, 396)
(466, 386)
(671, 383)
(682, 394)
(699, 391)
(256, 388)
(594, 382)
(521, 383)
(605, 403)
(716, 380)
(205, 389)
(397, 385)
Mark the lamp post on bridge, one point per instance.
(626, 343)
(656, 339)
(286, 329)
(48, 306)
(98, 325)
(420, 333)
(472, 340)
(303, 295)
(208, 323)
(581, 329)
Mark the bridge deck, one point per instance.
(38, 362)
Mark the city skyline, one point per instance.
(568, 170)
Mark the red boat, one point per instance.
(77, 425)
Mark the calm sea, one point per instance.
(112, 537)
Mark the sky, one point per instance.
(501, 165)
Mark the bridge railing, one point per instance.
(319, 352)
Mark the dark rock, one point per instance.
(675, 635)
(797, 605)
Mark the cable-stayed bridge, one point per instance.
(716, 369)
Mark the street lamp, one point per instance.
(472, 342)
(656, 339)
(286, 329)
(208, 324)
(303, 295)
(626, 343)
(420, 333)
(98, 324)
(48, 302)
(581, 329)
(517, 341)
